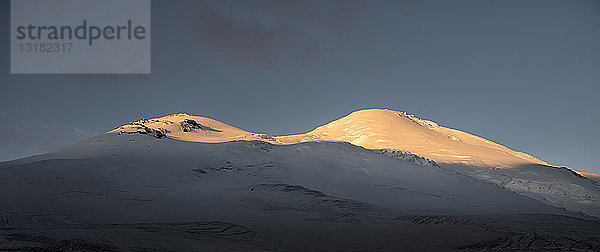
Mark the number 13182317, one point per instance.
(45, 47)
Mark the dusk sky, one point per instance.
(525, 74)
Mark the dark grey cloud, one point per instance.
(266, 33)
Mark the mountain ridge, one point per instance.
(368, 128)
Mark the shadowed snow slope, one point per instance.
(160, 170)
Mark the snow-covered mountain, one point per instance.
(374, 180)
(387, 129)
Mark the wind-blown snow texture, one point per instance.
(141, 187)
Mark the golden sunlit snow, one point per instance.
(370, 128)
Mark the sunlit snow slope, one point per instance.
(388, 129)
(370, 128)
